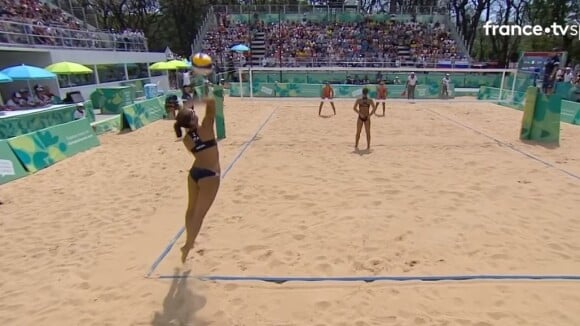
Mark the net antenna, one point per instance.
(311, 76)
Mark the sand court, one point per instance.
(433, 197)
(418, 203)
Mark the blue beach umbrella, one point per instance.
(240, 48)
(24, 72)
(28, 73)
(5, 79)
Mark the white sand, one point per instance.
(432, 198)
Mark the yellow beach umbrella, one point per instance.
(179, 64)
(168, 65)
(68, 68)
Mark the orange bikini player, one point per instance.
(382, 93)
(327, 95)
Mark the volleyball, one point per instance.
(201, 63)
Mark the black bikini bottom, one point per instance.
(363, 119)
(200, 173)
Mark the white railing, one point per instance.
(306, 8)
(457, 35)
(22, 35)
(272, 62)
(209, 22)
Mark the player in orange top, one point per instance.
(327, 95)
(382, 93)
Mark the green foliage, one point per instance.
(520, 12)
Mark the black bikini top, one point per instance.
(200, 145)
(364, 102)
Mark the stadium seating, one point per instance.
(31, 22)
(350, 44)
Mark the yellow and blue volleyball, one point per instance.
(201, 63)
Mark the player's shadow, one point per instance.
(362, 152)
(326, 116)
(180, 304)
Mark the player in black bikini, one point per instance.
(204, 177)
(362, 108)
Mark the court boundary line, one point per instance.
(240, 153)
(510, 146)
(370, 279)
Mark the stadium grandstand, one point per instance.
(39, 33)
(320, 36)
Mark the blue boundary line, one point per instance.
(513, 148)
(167, 249)
(370, 279)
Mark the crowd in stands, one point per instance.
(41, 96)
(358, 44)
(364, 44)
(31, 22)
(217, 43)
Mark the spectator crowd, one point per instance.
(358, 44)
(364, 44)
(31, 22)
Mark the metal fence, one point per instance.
(209, 22)
(323, 62)
(305, 9)
(21, 34)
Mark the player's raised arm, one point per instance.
(209, 117)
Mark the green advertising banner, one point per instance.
(111, 100)
(114, 123)
(220, 125)
(422, 91)
(528, 117)
(546, 125)
(13, 126)
(10, 167)
(42, 148)
(570, 112)
(143, 113)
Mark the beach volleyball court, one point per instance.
(448, 189)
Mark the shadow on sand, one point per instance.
(541, 144)
(180, 305)
(362, 152)
(326, 116)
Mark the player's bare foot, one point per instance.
(184, 252)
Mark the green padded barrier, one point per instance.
(541, 121)
(422, 91)
(42, 148)
(218, 93)
(112, 124)
(142, 113)
(26, 123)
(111, 100)
(10, 167)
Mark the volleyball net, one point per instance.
(502, 85)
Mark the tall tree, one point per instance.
(467, 16)
(511, 12)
